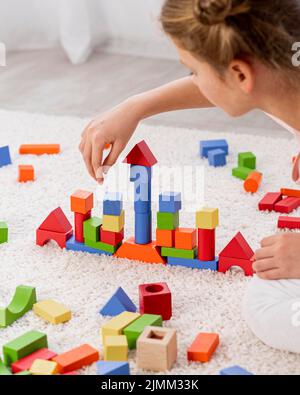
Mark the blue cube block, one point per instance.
(141, 174)
(5, 158)
(73, 245)
(208, 145)
(143, 228)
(194, 263)
(113, 203)
(217, 158)
(235, 371)
(107, 368)
(170, 202)
(118, 303)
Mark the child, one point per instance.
(240, 54)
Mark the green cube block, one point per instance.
(91, 229)
(247, 159)
(167, 221)
(3, 232)
(178, 253)
(98, 245)
(134, 330)
(23, 346)
(241, 172)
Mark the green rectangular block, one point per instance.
(91, 229)
(134, 330)
(167, 221)
(4, 370)
(3, 232)
(178, 253)
(241, 172)
(23, 346)
(98, 245)
(248, 160)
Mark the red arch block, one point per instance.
(44, 236)
(227, 263)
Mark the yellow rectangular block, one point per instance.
(51, 311)
(115, 348)
(115, 326)
(41, 367)
(207, 218)
(113, 223)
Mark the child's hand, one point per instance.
(279, 257)
(114, 127)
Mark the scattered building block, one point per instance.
(134, 330)
(178, 253)
(91, 229)
(185, 238)
(112, 203)
(237, 248)
(44, 236)
(99, 245)
(79, 220)
(194, 263)
(148, 253)
(24, 345)
(235, 371)
(241, 172)
(52, 311)
(253, 182)
(290, 192)
(112, 368)
(143, 228)
(73, 245)
(165, 238)
(289, 222)
(113, 238)
(113, 223)
(56, 221)
(22, 301)
(3, 232)
(157, 349)
(227, 263)
(40, 367)
(26, 362)
(269, 200)
(116, 325)
(207, 218)
(209, 145)
(26, 173)
(156, 299)
(39, 149)
(206, 244)
(170, 202)
(82, 201)
(5, 158)
(167, 221)
(287, 205)
(203, 347)
(141, 155)
(118, 303)
(115, 348)
(247, 159)
(217, 158)
(76, 358)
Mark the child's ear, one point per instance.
(242, 75)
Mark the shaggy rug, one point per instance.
(202, 300)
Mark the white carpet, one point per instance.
(203, 301)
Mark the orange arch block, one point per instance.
(148, 253)
(252, 182)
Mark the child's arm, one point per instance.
(118, 125)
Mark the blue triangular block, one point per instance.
(118, 303)
(105, 368)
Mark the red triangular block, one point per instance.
(56, 222)
(141, 155)
(238, 248)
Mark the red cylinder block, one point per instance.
(78, 224)
(206, 244)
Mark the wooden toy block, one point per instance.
(217, 158)
(115, 348)
(99, 245)
(290, 192)
(237, 248)
(26, 173)
(247, 159)
(24, 373)
(52, 311)
(178, 253)
(206, 244)
(143, 228)
(235, 371)
(134, 330)
(141, 155)
(289, 222)
(157, 349)
(142, 174)
(79, 220)
(112, 368)
(253, 182)
(40, 367)
(156, 299)
(76, 358)
(269, 200)
(207, 218)
(4, 370)
(3, 232)
(203, 347)
(165, 238)
(170, 202)
(39, 149)
(118, 303)
(82, 201)
(91, 229)
(73, 245)
(209, 145)
(148, 253)
(113, 238)
(112, 203)
(24, 345)
(167, 221)
(287, 205)
(21, 303)
(194, 263)
(116, 325)
(56, 221)
(5, 158)
(185, 238)
(113, 223)
(26, 362)
(44, 236)
(241, 172)
(226, 264)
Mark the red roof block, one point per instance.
(141, 155)
(237, 248)
(56, 222)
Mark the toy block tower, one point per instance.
(82, 203)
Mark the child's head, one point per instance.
(237, 49)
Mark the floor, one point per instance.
(44, 81)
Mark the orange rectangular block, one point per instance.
(203, 347)
(26, 173)
(165, 238)
(185, 238)
(76, 359)
(82, 201)
(39, 149)
(290, 192)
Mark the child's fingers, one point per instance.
(87, 154)
(264, 265)
(268, 241)
(97, 155)
(273, 274)
(263, 253)
(112, 157)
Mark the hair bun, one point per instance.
(212, 12)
